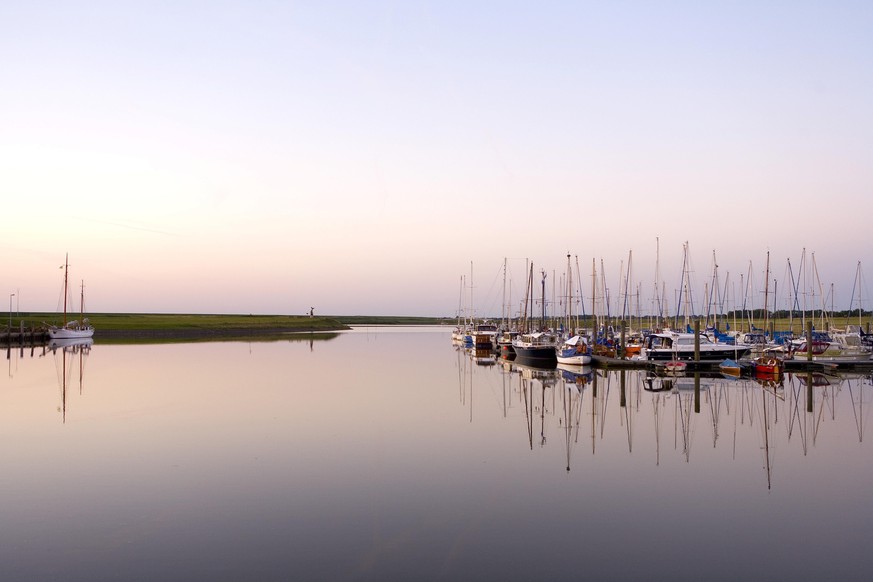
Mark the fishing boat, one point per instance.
(574, 351)
(670, 345)
(75, 328)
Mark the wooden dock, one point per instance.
(24, 336)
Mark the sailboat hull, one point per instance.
(65, 333)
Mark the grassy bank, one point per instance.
(117, 325)
(189, 324)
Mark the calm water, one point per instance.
(392, 455)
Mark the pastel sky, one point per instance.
(359, 157)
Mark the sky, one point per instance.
(364, 157)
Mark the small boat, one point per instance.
(573, 350)
(71, 329)
(730, 368)
(768, 365)
(634, 346)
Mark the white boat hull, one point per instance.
(64, 333)
(575, 360)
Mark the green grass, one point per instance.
(133, 322)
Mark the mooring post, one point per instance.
(697, 392)
(697, 339)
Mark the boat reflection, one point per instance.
(749, 417)
(70, 354)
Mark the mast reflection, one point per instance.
(749, 417)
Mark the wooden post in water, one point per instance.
(696, 339)
(809, 391)
(809, 341)
(696, 392)
(623, 402)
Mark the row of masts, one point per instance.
(805, 299)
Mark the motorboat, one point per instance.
(670, 345)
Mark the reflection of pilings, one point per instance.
(697, 389)
(809, 389)
(623, 399)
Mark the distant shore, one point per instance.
(123, 326)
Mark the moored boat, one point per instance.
(574, 351)
(840, 349)
(730, 368)
(538, 345)
(768, 365)
(483, 335)
(71, 329)
(671, 345)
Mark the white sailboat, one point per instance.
(71, 329)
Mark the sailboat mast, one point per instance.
(66, 268)
(568, 312)
(766, 293)
(594, 294)
(503, 309)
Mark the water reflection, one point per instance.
(387, 455)
(69, 355)
(690, 416)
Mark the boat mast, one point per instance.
(472, 309)
(82, 304)
(856, 285)
(66, 268)
(503, 308)
(581, 295)
(525, 327)
(766, 294)
(824, 317)
(594, 295)
(460, 301)
(746, 297)
(568, 312)
(660, 310)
